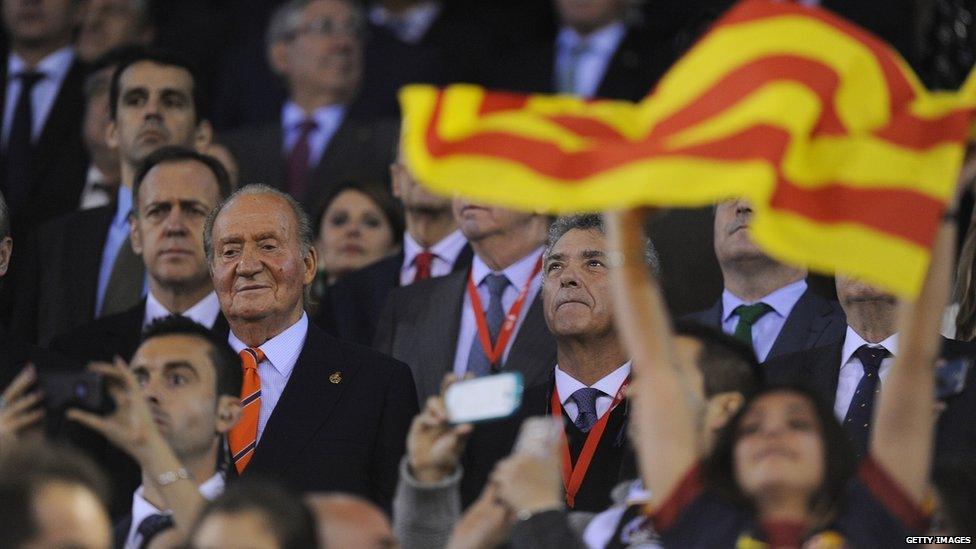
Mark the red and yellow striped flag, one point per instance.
(847, 160)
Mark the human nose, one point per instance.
(176, 223)
(248, 264)
(569, 277)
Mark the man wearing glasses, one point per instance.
(316, 47)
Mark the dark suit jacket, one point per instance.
(60, 162)
(57, 292)
(118, 334)
(813, 322)
(640, 60)
(353, 305)
(420, 326)
(360, 148)
(819, 369)
(340, 424)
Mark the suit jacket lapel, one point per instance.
(821, 373)
(68, 103)
(348, 137)
(809, 319)
(534, 350)
(443, 326)
(309, 390)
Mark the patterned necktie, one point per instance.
(423, 262)
(125, 282)
(858, 419)
(152, 525)
(244, 435)
(748, 315)
(478, 362)
(585, 399)
(296, 178)
(20, 146)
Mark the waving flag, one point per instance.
(847, 160)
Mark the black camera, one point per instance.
(65, 389)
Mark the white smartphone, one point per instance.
(484, 399)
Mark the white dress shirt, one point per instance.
(767, 328)
(518, 274)
(280, 356)
(609, 384)
(411, 24)
(96, 191)
(592, 64)
(203, 312)
(328, 119)
(45, 92)
(445, 255)
(851, 369)
(213, 487)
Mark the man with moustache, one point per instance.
(432, 246)
(765, 304)
(153, 103)
(319, 414)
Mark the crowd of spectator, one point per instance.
(213, 250)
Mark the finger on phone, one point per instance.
(24, 403)
(21, 382)
(89, 420)
(26, 420)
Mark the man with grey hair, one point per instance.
(587, 385)
(315, 46)
(319, 414)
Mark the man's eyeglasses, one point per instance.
(328, 28)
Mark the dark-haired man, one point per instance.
(175, 402)
(153, 103)
(174, 190)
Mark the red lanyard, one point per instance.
(494, 352)
(573, 476)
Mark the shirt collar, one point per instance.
(327, 118)
(123, 206)
(781, 300)
(55, 66)
(518, 273)
(203, 312)
(604, 40)
(210, 489)
(853, 342)
(282, 350)
(447, 248)
(609, 384)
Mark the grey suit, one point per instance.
(420, 326)
(360, 148)
(813, 322)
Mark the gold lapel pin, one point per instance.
(336, 377)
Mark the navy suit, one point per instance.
(813, 322)
(819, 370)
(341, 423)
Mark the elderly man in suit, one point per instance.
(318, 413)
(454, 323)
(83, 264)
(174, 190)
(847, 373)
(765, 303)
(316, 47)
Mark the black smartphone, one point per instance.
(950, 377)
(65, 389)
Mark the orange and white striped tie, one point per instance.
(243, 436)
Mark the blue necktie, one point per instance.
(478, 362)
(585, 399)
(20, 148)
(858, 420)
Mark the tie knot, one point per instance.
(751, 313)
(251, 357)
(307, 126)
(871, 358)
(585, 399)
(580, 48)
(424, 258)
(29, 78)
(496, 284)
(152, 525)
